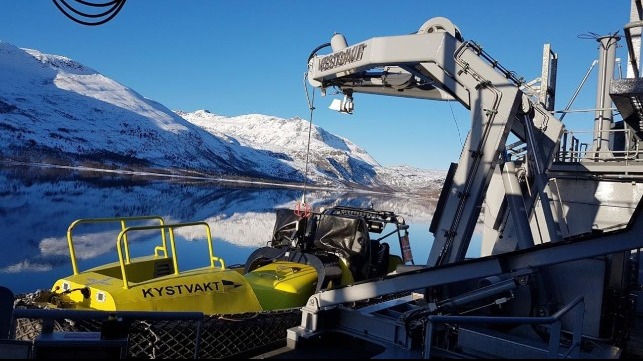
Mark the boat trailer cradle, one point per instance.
(49, 333)
(404, 327)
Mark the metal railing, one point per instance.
(554, 322)
(575, 146)
(122, 243)
(102, 341)
(124, 258)
(123, 222)
(572, 149)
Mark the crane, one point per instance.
(557, 253)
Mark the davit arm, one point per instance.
(436, 63)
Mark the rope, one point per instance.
(306, 212)
(310, 127)
(455, 121)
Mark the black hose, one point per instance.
(316, 50)
(116, 6)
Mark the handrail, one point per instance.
(124, 260)
(122, 221)
(630, 46)
(553, 320)
(575, 154)
(49, 315)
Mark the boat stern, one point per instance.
(85, 292)
(281, 285)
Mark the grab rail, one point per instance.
(573, 150)
(122, 221)
(554, 320)
(122, 238)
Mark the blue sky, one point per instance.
(241, 57)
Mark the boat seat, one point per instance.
(332, 270)
(287, 228)
(380, 252)
(347, 237)
(291, 230)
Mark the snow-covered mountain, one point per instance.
(331, 157)
(55, 110)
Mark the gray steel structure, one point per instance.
(558, 273)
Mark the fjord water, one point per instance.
(37, 205)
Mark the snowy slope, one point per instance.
(55, 110)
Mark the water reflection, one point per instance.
(37, 205)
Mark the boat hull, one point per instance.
(277, 285)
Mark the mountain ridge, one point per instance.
(58, 111)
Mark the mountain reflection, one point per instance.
(37, 205)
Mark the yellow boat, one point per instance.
(306, 254)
